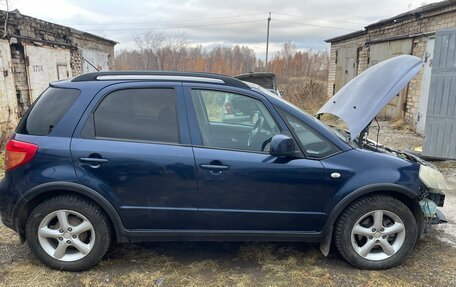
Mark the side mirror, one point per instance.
(282, 145)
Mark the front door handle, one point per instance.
(214, 167)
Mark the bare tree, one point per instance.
(8, 5)
(149, 44)
(177, 44)
(159, 51)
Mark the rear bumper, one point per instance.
(9, 195)
(7, 223)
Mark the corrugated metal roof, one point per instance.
(400, 17)
(76, 31)
(346, 36)
(413, 13)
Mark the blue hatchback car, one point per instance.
(142, 156)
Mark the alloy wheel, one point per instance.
(66, 235)
(378, 235)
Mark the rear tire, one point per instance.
(376, 232)
(68, 233)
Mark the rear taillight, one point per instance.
(18, 153)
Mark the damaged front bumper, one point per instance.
(430, 211)
(434, 185)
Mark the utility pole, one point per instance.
(267, 43)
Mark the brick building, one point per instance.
(34, 52)
(411, 33)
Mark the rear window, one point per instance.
(47, 111)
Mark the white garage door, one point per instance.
(46, 65)
(94, 59)
(8, 101)
(383, 51)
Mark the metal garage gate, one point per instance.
(383, 51)
(8, 101)
(346, 66)
(46, 65)
(440, 126)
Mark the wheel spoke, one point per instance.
(81, 246)
(82, 227)
(367, 247)
(358, 229)
(49, 233)
(60, 250)
(378, 219)
(63, 219)
(387, 248)
(394, 229)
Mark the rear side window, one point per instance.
(47, 111)
(137, 115)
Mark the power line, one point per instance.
(323, 19)
(177, 27)
(164, 22)
(313, 25)
(219, 24)
(202, 24)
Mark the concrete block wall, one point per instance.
(25, 30)
(19, 71)
(418, 28)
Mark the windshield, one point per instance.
(339, 133)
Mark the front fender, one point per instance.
(328, 228)
(365, 172)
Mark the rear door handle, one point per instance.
(93, 160)
(214, 167)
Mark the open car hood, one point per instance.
(360, 100)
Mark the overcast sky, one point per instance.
(229, 22)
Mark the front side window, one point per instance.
(233, 121)
(313, 144)
(138, 115)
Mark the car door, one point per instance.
(240, 186)
(132, 146)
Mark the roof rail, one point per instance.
(162, 76)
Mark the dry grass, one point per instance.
(401, 125)
(308, 94)
(227, 264)
(433, 263)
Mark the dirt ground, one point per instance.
(433, 262)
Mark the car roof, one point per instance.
(161, 76)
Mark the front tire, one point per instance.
(68, 233)
(376, 232)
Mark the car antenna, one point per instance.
(93, 66)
